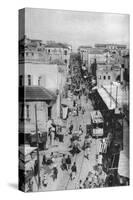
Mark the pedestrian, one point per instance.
(86, 183)
(45, 181)
(80, 130)
(100, 159)
(52, 135)
(44, 162)
(55, 173)
(63, 163)
(80, 186)
(36, 168)
(52, 157)
(73, 171)
(70, 128)
(74, 103)
(68, 162)
(87, 152)
(83, 110)
(30, 186)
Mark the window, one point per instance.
(104, 77)
(20, 80)
(48, 50)
(32, 54)
(27, 53)
(29, 79)
(65, 61)
(22, 112)
(49, 112)
(22, 54)
(27, 112)
(108, 77)
(39, 80)
(65, 52)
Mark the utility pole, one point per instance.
(37, 141)
(110, 94)
(116, 95)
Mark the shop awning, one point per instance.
(123, 166)
(26, 149)
(107, 99)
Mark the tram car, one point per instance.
(97, 124)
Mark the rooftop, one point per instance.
(95, 51)
(56, 45)
(84, 47)
(35, 93)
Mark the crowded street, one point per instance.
(88, 173)
(73, 114)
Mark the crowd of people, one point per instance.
(94, 179)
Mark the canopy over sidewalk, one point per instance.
(123, 166)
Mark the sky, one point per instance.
(75, 28)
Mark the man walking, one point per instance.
(73, 171)
(68, 162)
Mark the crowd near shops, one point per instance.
(60, 146)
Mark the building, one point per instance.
(111, 47)
(89, 55)
(41, 83)
(126, 63)
(83, 50)
(28, 98)
(49, 53)
(58, 53)
(32, 50)
(48, 76)
(108, 73)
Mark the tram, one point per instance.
(97, 124)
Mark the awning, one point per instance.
(107, 99)
(26, 149)
(95, 88)
(123, 166)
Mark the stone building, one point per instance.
(50, 53)
(90, 55)
(108, 73)
(29, 96)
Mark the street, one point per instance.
(84, 165)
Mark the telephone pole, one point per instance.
(37, 140)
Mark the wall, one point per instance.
(105, 71)
(52, 79)
(30, 124)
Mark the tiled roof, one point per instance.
(96, 51)
(85, 47)
(56, 45)
(35, 93)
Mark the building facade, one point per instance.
(49, 53)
